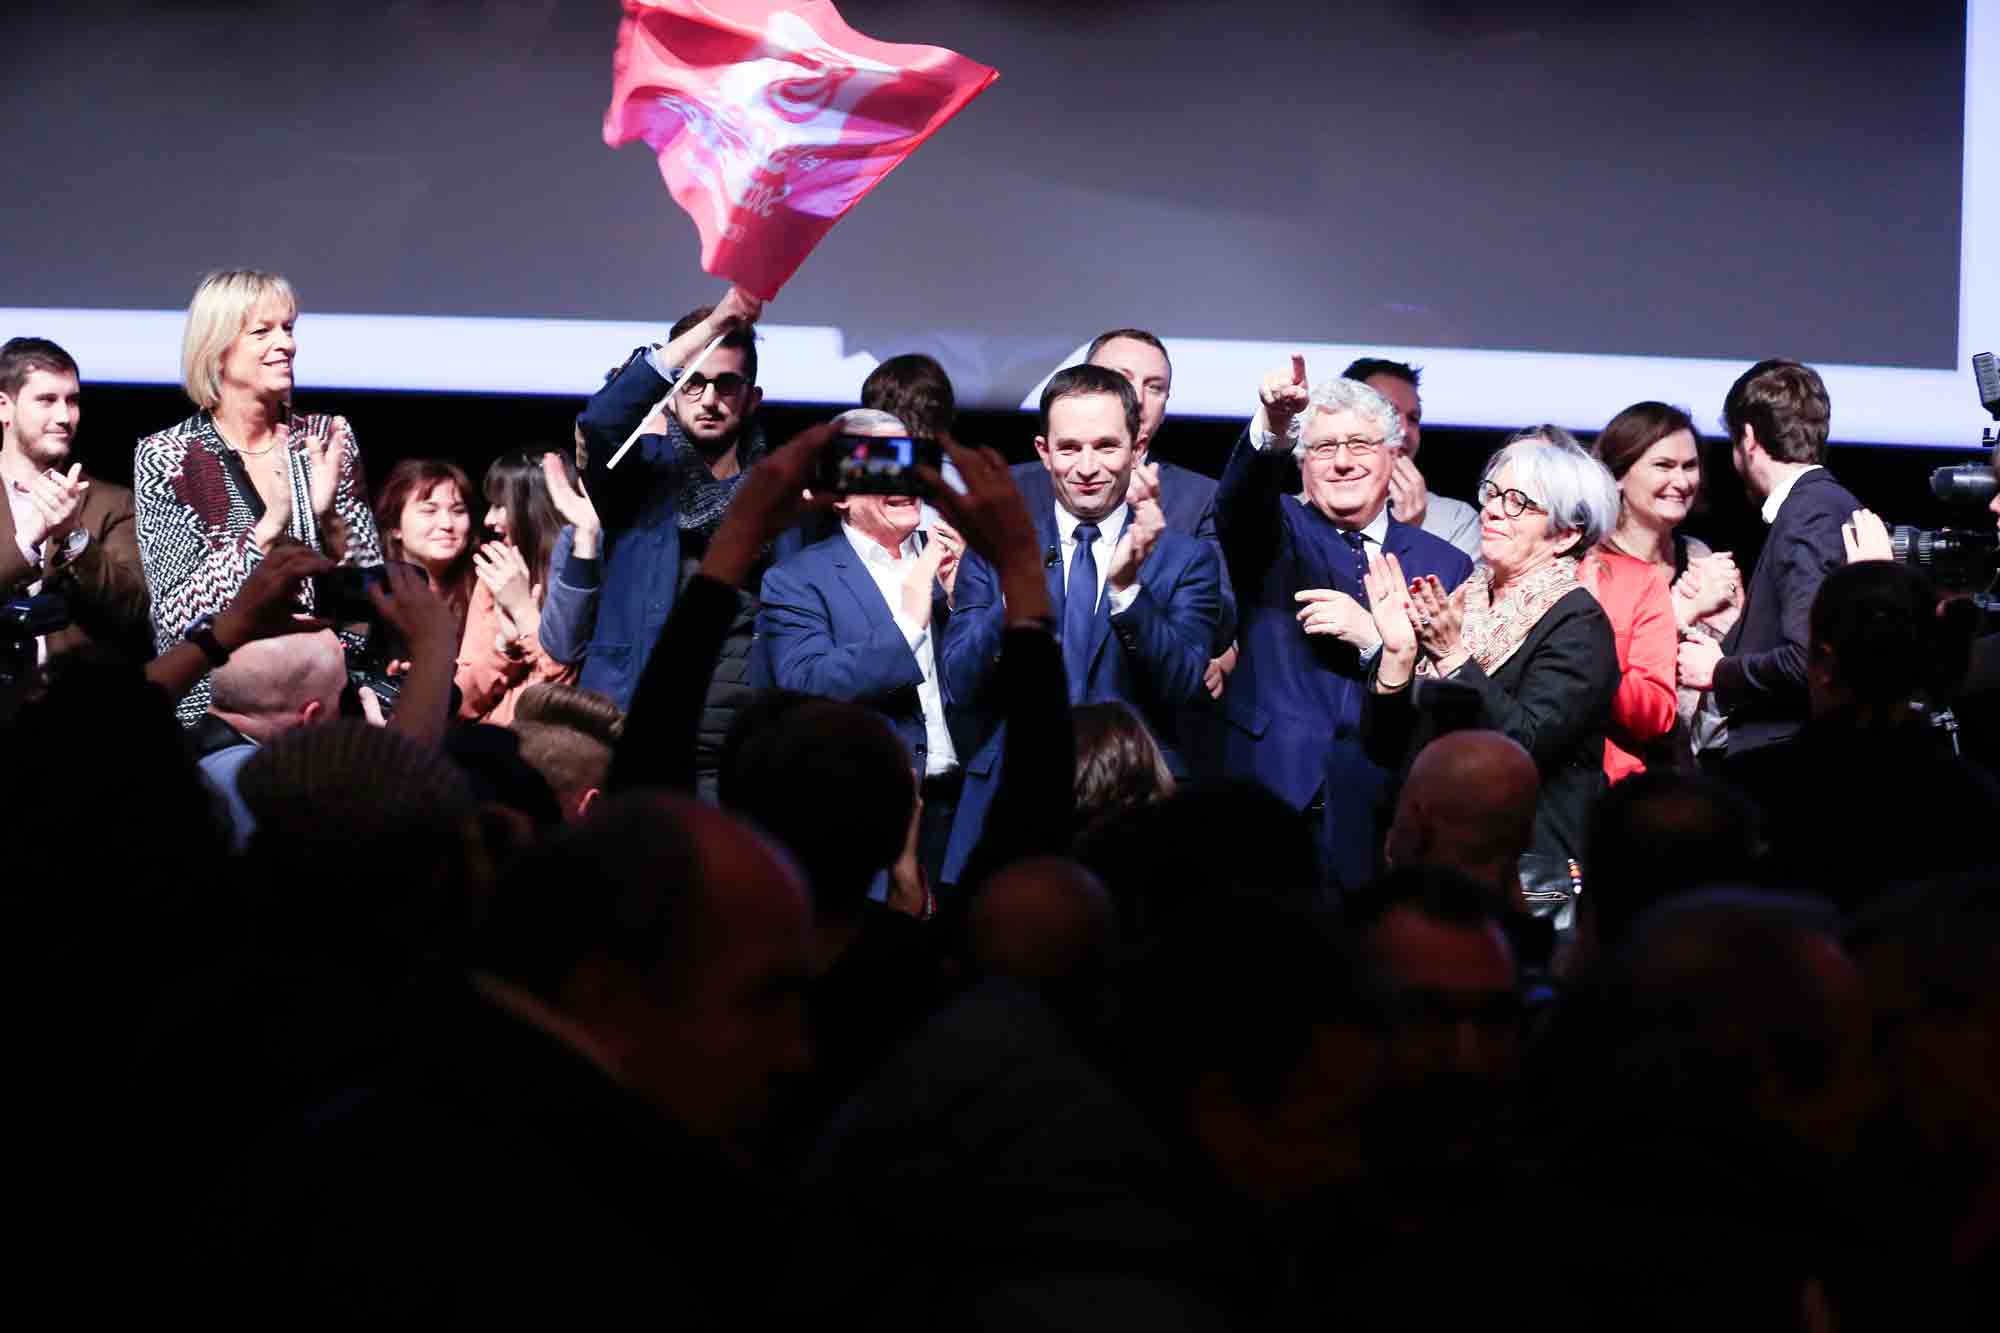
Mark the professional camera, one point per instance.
(1962, 559)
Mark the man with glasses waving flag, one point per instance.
(770, 120)
(1292, 710)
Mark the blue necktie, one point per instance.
(1080, 611)
(1359, 545)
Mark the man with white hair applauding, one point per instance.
(1293, 707)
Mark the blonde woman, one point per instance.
(216, 492)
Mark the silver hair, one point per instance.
(1338, 395)
(1562, 476)
(869, 421)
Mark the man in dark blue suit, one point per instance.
(665, 499)
(857, 616)
(1293, 706)
(1778, 414)
(1138, 605)
(1187, 498)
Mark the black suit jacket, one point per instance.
(1553, 696)
(1761, 680)
(489, 1176)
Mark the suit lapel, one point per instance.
(1045, 528)
(861, 584)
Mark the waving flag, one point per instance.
(772, 119)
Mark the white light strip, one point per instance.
(556, 356)
(1214, 378)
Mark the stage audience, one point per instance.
(1654, 454)
(1410, 499)
(1140, 602)
(1292, 712)
(664, 501)
(215, 493)
(1522, 647)
(567, 735)
(1119, 766)
(502, 653)
(1883, 653)
(66, 538)
(1778, 414)
(416, 1023)
(859, 615)
(424, 512)
(569, 607)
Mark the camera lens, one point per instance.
(1964, 484)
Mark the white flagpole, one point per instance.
(661, 406)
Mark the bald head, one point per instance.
(1043, 919)
(272, 685)
(1468, 804)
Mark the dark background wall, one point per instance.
(1705, 178)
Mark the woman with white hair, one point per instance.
(215, 493)
(1528, 648)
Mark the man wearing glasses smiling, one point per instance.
(1293, 708)
(664, 501)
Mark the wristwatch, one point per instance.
(202, 635)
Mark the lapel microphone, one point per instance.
(1052, 557)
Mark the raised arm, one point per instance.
(617, 409)
(657, 749)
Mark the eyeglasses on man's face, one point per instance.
(1513, 503)
(1359, 447)
(727, 385)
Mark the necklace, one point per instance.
(239, 451)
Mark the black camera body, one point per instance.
(22, 621)
(1962, 559)
(341, 596)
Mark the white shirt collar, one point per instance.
(872, 551)
(1776, 499)
(1109, 528)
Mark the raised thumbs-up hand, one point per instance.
(1282, 396)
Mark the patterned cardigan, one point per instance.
(195, 522)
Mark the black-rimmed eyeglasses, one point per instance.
(1513, 503)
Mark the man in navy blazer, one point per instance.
(1187, 498)
(1778, 414)
(1137, 604)
(666, 497)
(1293, 707)
(857, 616)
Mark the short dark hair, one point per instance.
(1151, 340)
(1788, 405)
(833, 784)
(1438, 893)
(1367, 366)
(741, 338)
(1660, 833)
(617, 885)
(22, 357)
(914, 389)
(1627, 436)
(1889, 639)
(1088, 381)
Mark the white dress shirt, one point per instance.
(888, 571)
(1109, 529)
(1782, 491)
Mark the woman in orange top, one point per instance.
(1651, 451)
(501, 654)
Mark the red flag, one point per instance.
(772, 119)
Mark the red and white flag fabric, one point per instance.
(772, 119)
